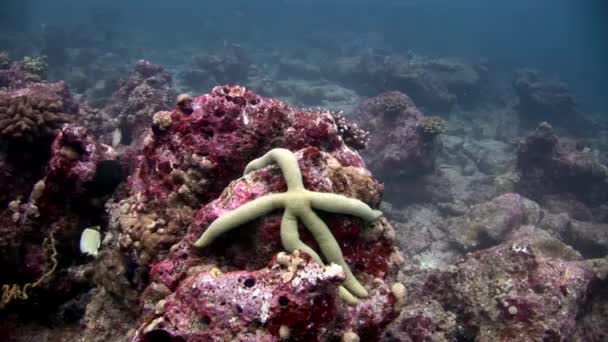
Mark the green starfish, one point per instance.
(298, 204)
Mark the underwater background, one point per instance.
(303, 170)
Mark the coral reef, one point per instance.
(551, 165)
(547, 100)
(431, 127)
(434, 84)
(530, 291)
(37, 230)
(227, 66)
(504, 237)
(35, 112)
(18, 74)
(399, 146)
(145, 92)
(368, 250)
(188, 159)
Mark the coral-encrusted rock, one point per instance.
(368, 250)
(398, 147)
(422, 322)
(547, 100)
(147, 91)
(20, 74)
(40, 229)
(80, 164)
(189, 159)
(36, 111)
(522, 290)
(487, 224)
(291, 291)
(552, 165)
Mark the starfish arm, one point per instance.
(331, 250)
(290, 237)
(347, 296)
(339, 204)
(287, 162)
(291, 241)
(241, 215)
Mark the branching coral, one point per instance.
(352, 135)
(33, 112)
(298, 204)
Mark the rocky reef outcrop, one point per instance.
(38, 226)
(481, 238)
(403, 142)
(36, 111)
(553, 165)
(542, 99)
(230, 65)
(187, 160)
(266, 301)
(437, 85)
(145, 92)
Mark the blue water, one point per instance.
(565, 38)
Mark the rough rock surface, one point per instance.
(547, 100)
(403, 143)
(188, 160)
(550, 165)
(535, 288)
(37, 231)
(487, 224)
(434, 84)
(145, 92)
(19, 74)
(398, 147)
(369, 251)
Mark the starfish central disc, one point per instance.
(298, 204)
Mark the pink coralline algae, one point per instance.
(229, 127)
(252, 300)
(190, 156)
(291, 291)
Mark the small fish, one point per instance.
(90, 240)
(116, 137)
